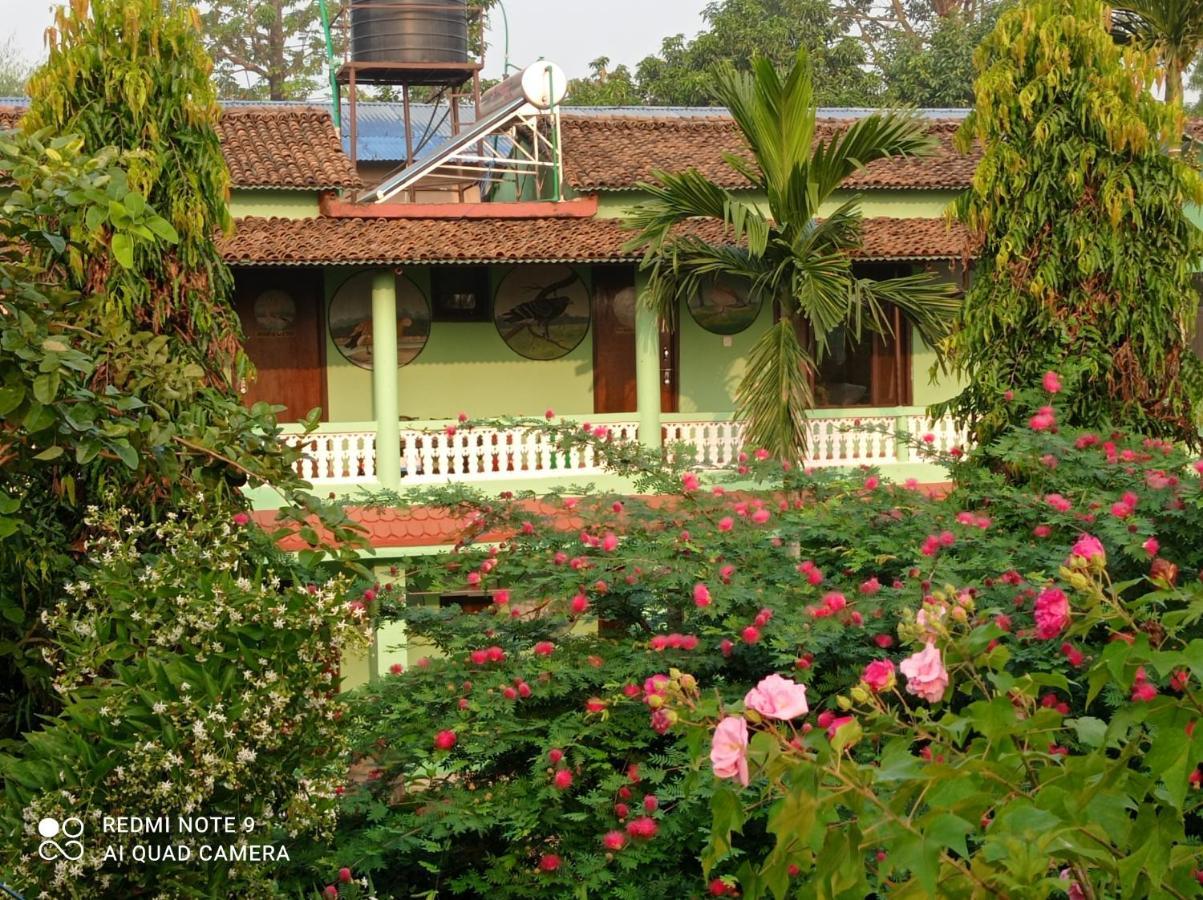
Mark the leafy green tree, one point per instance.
(1172, 29)
(604, 87)
(1087, 253)
(133, 74)
(934, 68)
(739, 30)
(265, 49)
(785, 254)
(14, 69)
(117, 341)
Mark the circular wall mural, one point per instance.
(542, 312)
(274, 311)
(350, 320)
(723, 306)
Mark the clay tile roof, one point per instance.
(284, 148)
(10, 116)
(617, 152)
(271, 147)
(390, 241)
(334, 241)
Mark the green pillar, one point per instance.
(384, 379)
(647, 369)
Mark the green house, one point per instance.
(512, 307)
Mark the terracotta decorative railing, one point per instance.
(430, 456)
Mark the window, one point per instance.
(874, 371)
(461, 294)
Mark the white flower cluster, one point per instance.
(214, 680)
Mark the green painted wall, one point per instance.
(925, 391)
(900, 204)
(285, 204)
(711, 365)
(465, 366)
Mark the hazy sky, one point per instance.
(569, 32)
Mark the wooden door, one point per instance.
(613, 339)
(281, 313)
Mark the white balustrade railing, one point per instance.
(432, 456)
(942, 435)
(333, 457)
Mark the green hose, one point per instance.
(335, 99)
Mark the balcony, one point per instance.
(343, 455)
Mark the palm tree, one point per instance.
(789, 256)
(1173, 29)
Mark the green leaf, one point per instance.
(50, 453)
(1091, 731)
(163, 229)
(126, 454)
(949, 831)
(123, 249)
(45, 387)
(10, 399)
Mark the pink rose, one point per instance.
(729, 749)
(1090, 550)
(1052, 613)
(778, 698)
(926, 676)
(879, 675)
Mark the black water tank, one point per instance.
(409, 31)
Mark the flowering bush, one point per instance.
(198, 678)
(502, 762)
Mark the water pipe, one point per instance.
(335, 100)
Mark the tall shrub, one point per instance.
(1086, 251)
(133, 74)
(542, 745)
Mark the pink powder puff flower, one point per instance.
(1057, 502)
(614, 841)
(701, 595)
(1052, 382)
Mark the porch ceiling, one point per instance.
(387, 241)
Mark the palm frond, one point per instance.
(774, 394)
(678, 197)
(879, 136)
(679, 270)
(775, 115)
(930, 304)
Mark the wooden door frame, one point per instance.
(596, 331)
(294, 276)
